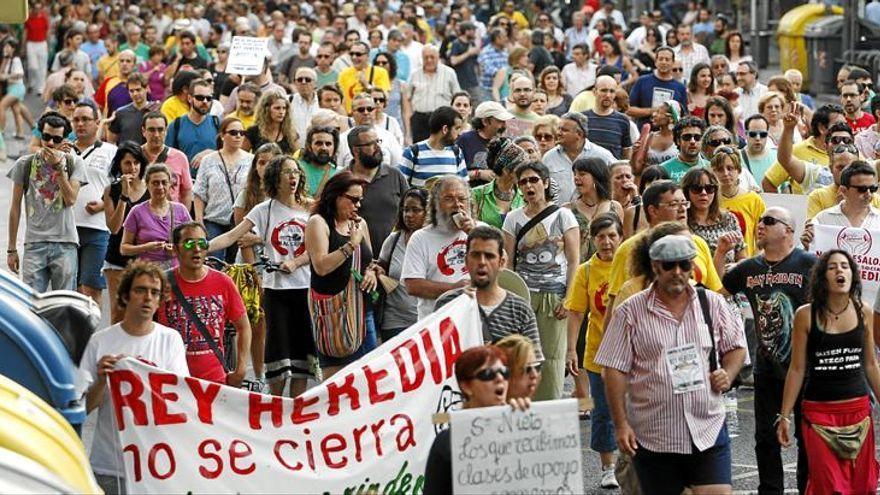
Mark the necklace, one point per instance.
(836, 314)
(502, 195)
(588, 205)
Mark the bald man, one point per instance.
(776, 284)
(609, 128)
(304, 102)
(430, 88)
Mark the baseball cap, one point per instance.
(673, 248)
(492, 109)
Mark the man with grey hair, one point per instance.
(750, 89)
(304, 102)
(435, 256)
(429, 88)
(362, 110)
(573, 144)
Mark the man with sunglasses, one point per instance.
(776, 283)
(212, 297)
(842, 156)
(675, 429)
(502, 312)
(858, 187)
(851, 100)
(324, 65)
(304, 101)
(362, 109)
(49, 181)
(196, 131)
(806, 163)
(361, 75)
(687, 135)
(758, 154)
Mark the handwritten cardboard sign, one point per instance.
(246, 55)
(498, 450)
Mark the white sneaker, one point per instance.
(609, 481)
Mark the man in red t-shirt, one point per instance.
(851, 99)
(36, 32)
(213, 297)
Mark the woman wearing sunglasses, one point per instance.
(546, 255)
(222, 176)
(280, 223)
(148, 226)
(482, 375)
(717, 136)
(544, 131)
(717, 226)
(835, 390)
(746, 205)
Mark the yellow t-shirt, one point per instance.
(586, 100)
(632, 287)
(826, 197)
(704, 268)
(518, 17)
(351, 86)
(173, 107)
(805, 151)
(246, 121)
(589, 294)
(747, 208)
(108, 66)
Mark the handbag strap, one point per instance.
(191, 313)
(704, 305)
(226, 176)
(546, 212)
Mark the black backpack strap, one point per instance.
(163, 155)
(176, 123)
(546, 212)
(704, 305)
(414, 149)
(191, 313)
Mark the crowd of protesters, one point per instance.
(594, 183)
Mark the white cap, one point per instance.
(492, 109)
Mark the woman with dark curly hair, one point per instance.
(833, 362)
(280, 222)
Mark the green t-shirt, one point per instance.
(325, 79)
(677, 168)
(316, 176)
(487, 209)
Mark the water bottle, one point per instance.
(730, 404)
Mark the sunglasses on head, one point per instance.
(52, 138)
(758, 134)
(191, 244)
(691, 137)
(771, 221)
(703, 188)
(718, 142)
(685, 265)
(529, 180)
(489, 374)
(864, 189)
(835, 140)
(202, 97)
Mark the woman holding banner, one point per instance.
(837, 429)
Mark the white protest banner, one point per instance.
(796, 204)
(499, 450)
(862, 244)
(246, 55)
(366, 429)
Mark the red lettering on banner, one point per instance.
(256, 408)
(235, 453)
(299, 403)
(408, 428)
(451, 343)
(408, 384)
(131, 400)
(310, 455)
(293, 445)
(357, 432)
(151, 461)
(373, 378)
(335, 391)
(161, 416)
(431, 354)
(204, 454)
(204, 398)
(328, 449)
(377, 439)
(136, 458)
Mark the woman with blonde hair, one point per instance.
(518, 60)
(525, 369)
(544, 131)
(772, 106)
(274, 123)
(558, 100)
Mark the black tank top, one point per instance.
(834, 363)
(333, 283)
(113, 256)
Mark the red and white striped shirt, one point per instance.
(640, 333)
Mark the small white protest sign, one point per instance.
(246, 55)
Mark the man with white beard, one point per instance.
(435, 256)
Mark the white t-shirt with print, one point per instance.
(97, 159)
(163, 348)
(283, 240)
(436, 255)
(540, 253)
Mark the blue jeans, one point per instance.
(215, 229)
(601, 428)
(45, 262)
(92, 250)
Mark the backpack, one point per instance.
(176, 124)
(414, 149)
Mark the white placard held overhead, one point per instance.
(246, 55)
(499, 450)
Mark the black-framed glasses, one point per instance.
(685, 265)
(202, 97)
(771, 221)
(718, 142)
(304, 80)
(691, 137)
(354, 199)
(191, 244)
(534, 367)
(835, 140)
(52, 138)
(758, 134)
(68, 101)
(365, 109)
(489, 374)
(703, 188)
(533, 179)
(864, 189)
(235, 133)
(678, 69)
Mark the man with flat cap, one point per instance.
(674, 349)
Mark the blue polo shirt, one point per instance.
(193, 139)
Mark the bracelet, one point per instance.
(779, 418)
(12, 251)
(345, 252)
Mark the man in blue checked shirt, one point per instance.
(492, 59)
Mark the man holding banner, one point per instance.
(858, 183)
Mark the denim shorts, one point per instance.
(673, 472)
(601, 428)
(92, 250)
(49, 264)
